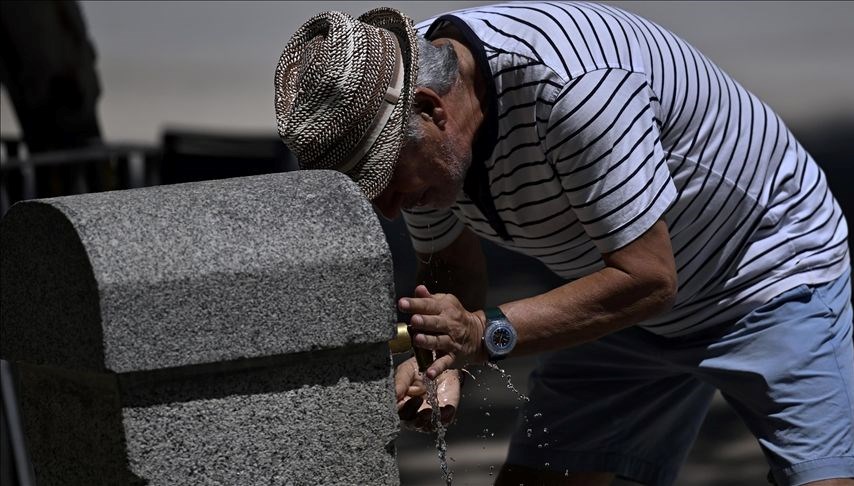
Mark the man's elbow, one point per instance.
(664, 287)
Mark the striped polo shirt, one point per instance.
(599, 124)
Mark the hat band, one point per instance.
(390, 99)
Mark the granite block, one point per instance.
(324, 419)
(220, 332)
(72, 421)
(48, 294)
(195, 273)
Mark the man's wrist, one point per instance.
(481, 356)
(499, 335)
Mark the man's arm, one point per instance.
(638, 282)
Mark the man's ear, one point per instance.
(431, 107)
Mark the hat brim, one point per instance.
(376, 168)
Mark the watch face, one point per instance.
(500, 339)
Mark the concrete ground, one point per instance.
(725, 452)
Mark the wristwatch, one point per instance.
(499, 337)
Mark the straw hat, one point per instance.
(344, 89)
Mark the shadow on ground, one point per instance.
(725, 452)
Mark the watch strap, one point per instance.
(494, 313)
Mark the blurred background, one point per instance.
(101, 95)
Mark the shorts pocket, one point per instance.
(834, 295)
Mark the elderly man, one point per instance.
(701, 246)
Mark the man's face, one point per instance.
(428, 174)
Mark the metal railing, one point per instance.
(76, 171)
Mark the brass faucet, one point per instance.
(402, 343)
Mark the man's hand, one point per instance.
(412, 406)
(444, 325)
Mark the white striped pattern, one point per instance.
(606, 123)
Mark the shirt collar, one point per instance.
(476, 185)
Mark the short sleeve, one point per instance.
(603, 139)
(432, 230)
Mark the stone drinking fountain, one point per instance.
(221, 332)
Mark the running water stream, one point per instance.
(439, 427)
(433, 401)
(433, 397)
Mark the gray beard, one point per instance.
(456, 168)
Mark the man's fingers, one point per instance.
(416, 390)
(416, 305)
(442, 342)
(415, 412)
(427, 323)
(424, 418)
(440, 365)
(405, 376)
(449, 388)
(408, 409)
(421, 291)
(447, 413)
(423, 421)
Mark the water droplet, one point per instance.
(486, 414)
(530, 432)
(510, 386)
(546, 430)
(538, 415)
(539, 446)
(547, 464)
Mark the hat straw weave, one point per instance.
(344, 89)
